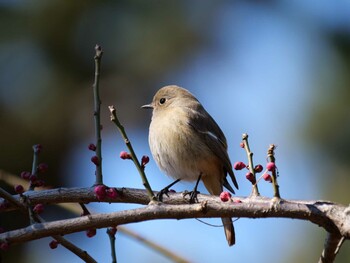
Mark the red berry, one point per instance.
(39, 208)
(239, 165)
(39, 183)
(19, 189)
(250, 177)
(92, 147)
(225, 196)
(33, 178)
(258, 168)
(91, 232)
(25, 175)
(4, 246)
(267, 177)
(43, 167)
(112, 193)
(237, 201)
(125, 155)
(144, 160)
(95, 160)
(241, 144)
(53, 244)
(271, 166)
(100, 192)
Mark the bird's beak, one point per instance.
(147, 106)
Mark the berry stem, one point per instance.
(97, 106)
(271, 158)
(255, 190)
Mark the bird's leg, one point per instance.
(193, 194)
(165, 190)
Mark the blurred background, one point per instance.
(277, 70)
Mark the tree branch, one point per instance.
(331, 248)
(97, 109)
(332, 217)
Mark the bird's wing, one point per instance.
(214, 137)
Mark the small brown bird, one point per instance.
(188, 145)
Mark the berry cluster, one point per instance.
(270, 167)
(102, 192)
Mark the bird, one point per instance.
(187, 144)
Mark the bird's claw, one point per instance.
(193, 196)
(162, 192)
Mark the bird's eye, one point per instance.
(162, 100)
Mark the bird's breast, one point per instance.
(176, 147)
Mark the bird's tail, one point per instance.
(229, 230)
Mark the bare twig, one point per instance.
(97, 105)
(271, 158)
(141, 171)
(111, 232)
(160, 249)
(36, 151)
(255, 190)
(74, 249)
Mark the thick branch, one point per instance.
(332, 217)
(331, 248)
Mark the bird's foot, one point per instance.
(193, 196)
(162, 192)
(166, 190)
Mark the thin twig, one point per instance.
(36, 152)
(97, 106)
(9, 198)
(141, 171)
(160, 249)
(74, 249)
(84, 208)
(271, 158)
(255, 190)
(111, 232)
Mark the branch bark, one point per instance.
(331, 248)
(334, 218)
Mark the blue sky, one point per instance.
(258, 76)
